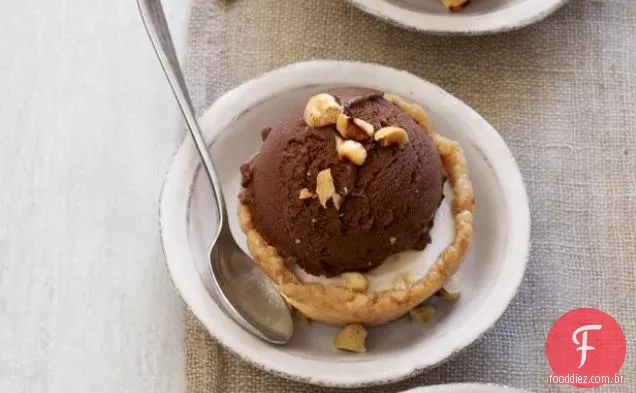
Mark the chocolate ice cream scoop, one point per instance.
(383, 204)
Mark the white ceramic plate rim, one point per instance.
(513, 17)
(173, 212)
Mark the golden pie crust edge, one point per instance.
(340, 305)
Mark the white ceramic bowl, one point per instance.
(480, 17)
(465, 388)
(491, 274)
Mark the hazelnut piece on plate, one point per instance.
(351, 338)
(421, 314)
(455, 5)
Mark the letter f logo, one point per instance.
(583, 344)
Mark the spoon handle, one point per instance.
(159, 33)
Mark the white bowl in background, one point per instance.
(479, 17)
(465, 388)
(491, 273)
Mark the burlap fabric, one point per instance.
(563, 95)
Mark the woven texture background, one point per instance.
(563, 95)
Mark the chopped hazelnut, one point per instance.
(322, 110)
(351, 128)
(352, 151)
(356, 281)
(447, 295)
(325, 187)
(421, 314)
(455, 5)
(305, 194)
(389, 136)
(351, 338)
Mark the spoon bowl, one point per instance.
(253, 297)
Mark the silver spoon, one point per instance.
(245, 291)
